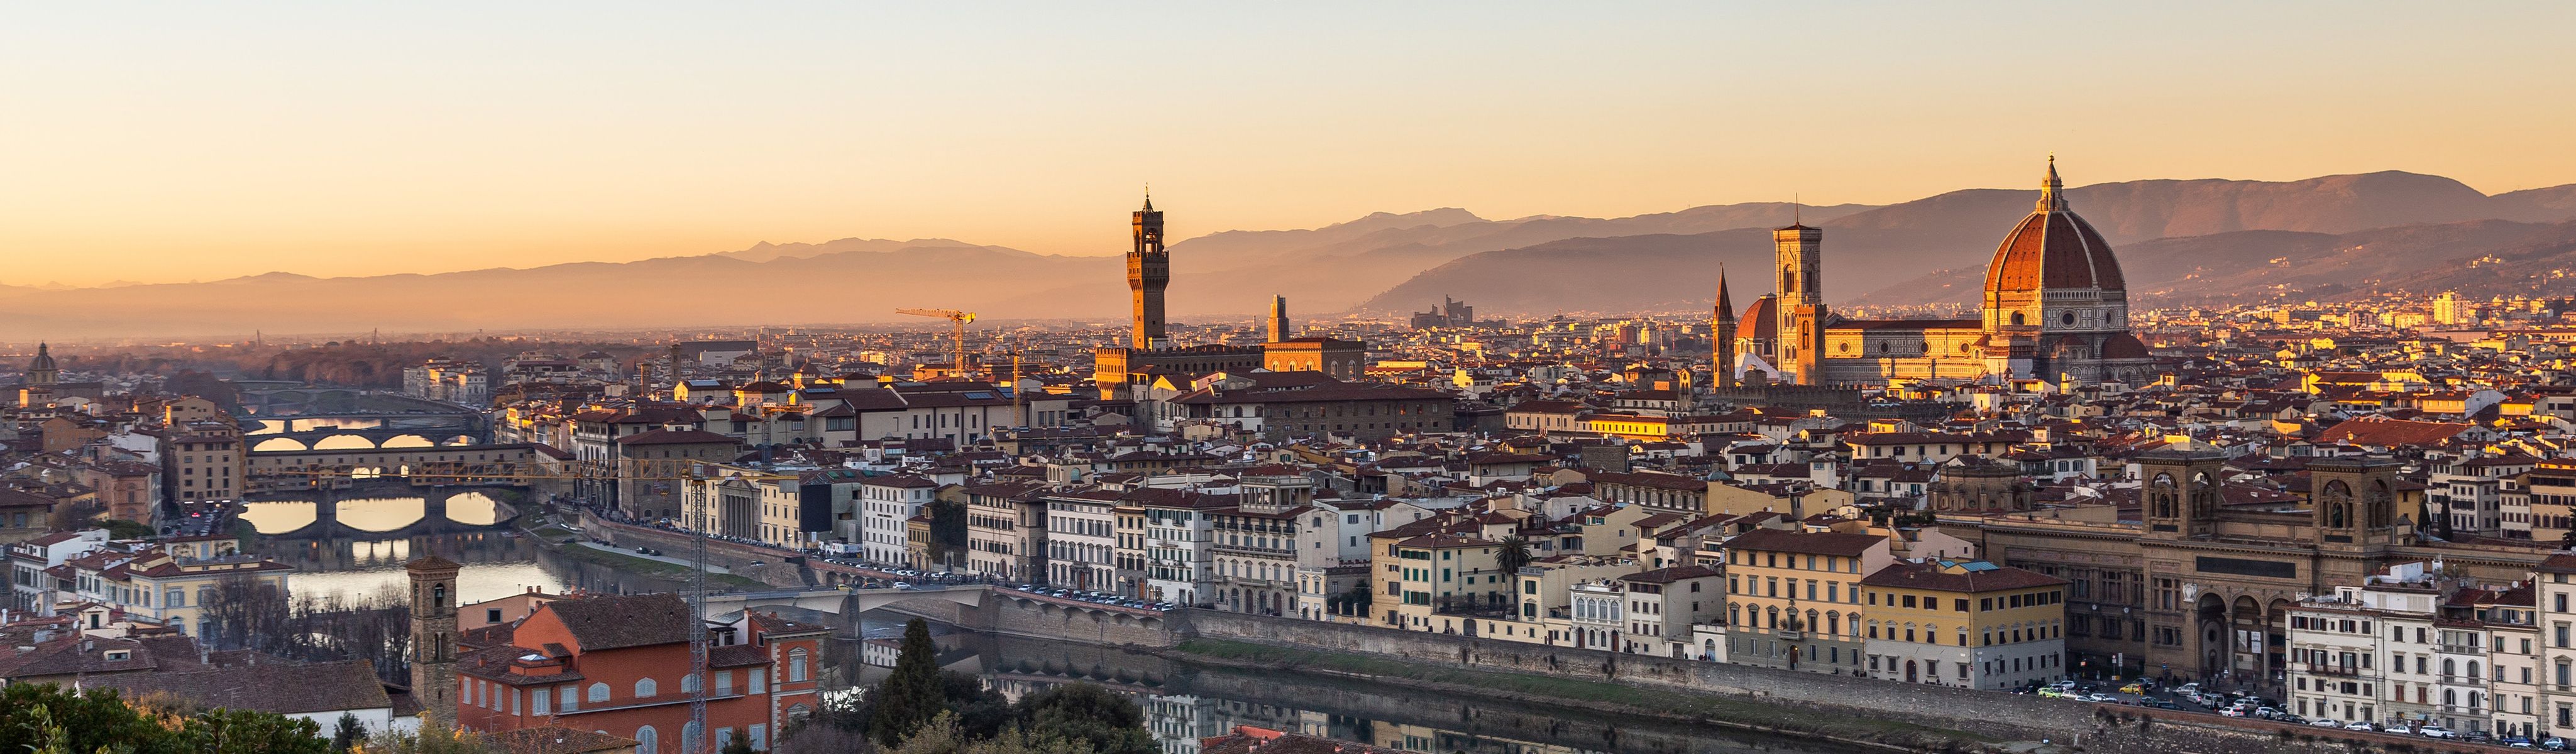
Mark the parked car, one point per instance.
(2360, 725)
(2436, 731)
(2100, 697)
(2325, 722)
(2139, 687)
(2188, 689)
(2233, 712)
(2554, 743)
(2163, 704)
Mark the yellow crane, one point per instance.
(955, 318)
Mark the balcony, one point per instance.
(2318, 669)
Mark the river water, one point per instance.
(1182, 704)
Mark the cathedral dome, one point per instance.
(44, 361)
(2053, 248)
(1761, 321)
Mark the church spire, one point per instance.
(1149, 196)
(2052, 192)
(1725, 303)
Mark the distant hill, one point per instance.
(766, 251)
(1899, 245)
(2477, 257)
(2228, 233)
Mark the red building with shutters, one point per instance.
(619, 665)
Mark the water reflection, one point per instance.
(1183, 704)
(371, 514)
(496, 564)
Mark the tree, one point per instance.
(46, 719)
(1514, 555)
(737, 745)
(942, 736)
(431, 739)
(348, 734)
(118, 528)
(913, 694)
(1087, 713)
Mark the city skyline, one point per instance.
(367, 142)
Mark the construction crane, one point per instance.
(696, 520)
(956, 318)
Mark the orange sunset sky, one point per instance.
(204, 141)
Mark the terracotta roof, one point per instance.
(611, 622)
(1814, 543)
(284, 689)
(1761, 320)
(1976, 577)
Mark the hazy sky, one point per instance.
(209, 140)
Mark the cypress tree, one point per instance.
(913, 694)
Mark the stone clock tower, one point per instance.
(433, 638)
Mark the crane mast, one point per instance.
(957, 336)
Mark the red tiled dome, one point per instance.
(2053, 248)
(1761, 320)
(2125, 346)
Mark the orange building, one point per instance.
(618, 664)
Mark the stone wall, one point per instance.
(1038, 618)
(2001, 715)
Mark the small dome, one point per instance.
(2053, 248)
(44, 361)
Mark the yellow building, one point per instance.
(1965, 623)
(1794, 598)
(175, 585)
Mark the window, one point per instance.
(645, 687)
(599, 692)
(796, 662)
(645, 740)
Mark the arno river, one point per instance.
(1182, 703)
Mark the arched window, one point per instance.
(2017, 318)
(438, 595)
(796, 664)
(645, 739)
(645, 687)
(689, 683)
(691, 735)
(599, 692)
(2448, 668)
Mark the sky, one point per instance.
(200, 141)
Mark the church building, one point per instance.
(2055, 308)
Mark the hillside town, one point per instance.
(2347, 515)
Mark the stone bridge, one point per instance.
(362, 431)
(433, 516)
(843, 602)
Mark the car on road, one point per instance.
(2436, 731)
(2162, 704)
(2325, 722)
(2360, 725)
(2137, 687)
(2233, 712)
(2100, 697)
(2553, 743)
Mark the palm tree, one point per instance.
(1515, 554)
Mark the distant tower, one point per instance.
(1279, 331)
(433, 638)
(1721, 336)
(1149, 269)
(1800, 251)
(41, 371)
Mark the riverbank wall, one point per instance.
(777, 567)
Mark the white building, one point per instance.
(885, 503)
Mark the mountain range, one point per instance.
(2177, 239)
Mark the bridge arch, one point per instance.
(279, 444)
(344, 442)
(406, 441)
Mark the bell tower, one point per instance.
(433, 637)
(1799, 252)
(2353, 502)
(2180, 497)
(1721, 337)
(1149, 270)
